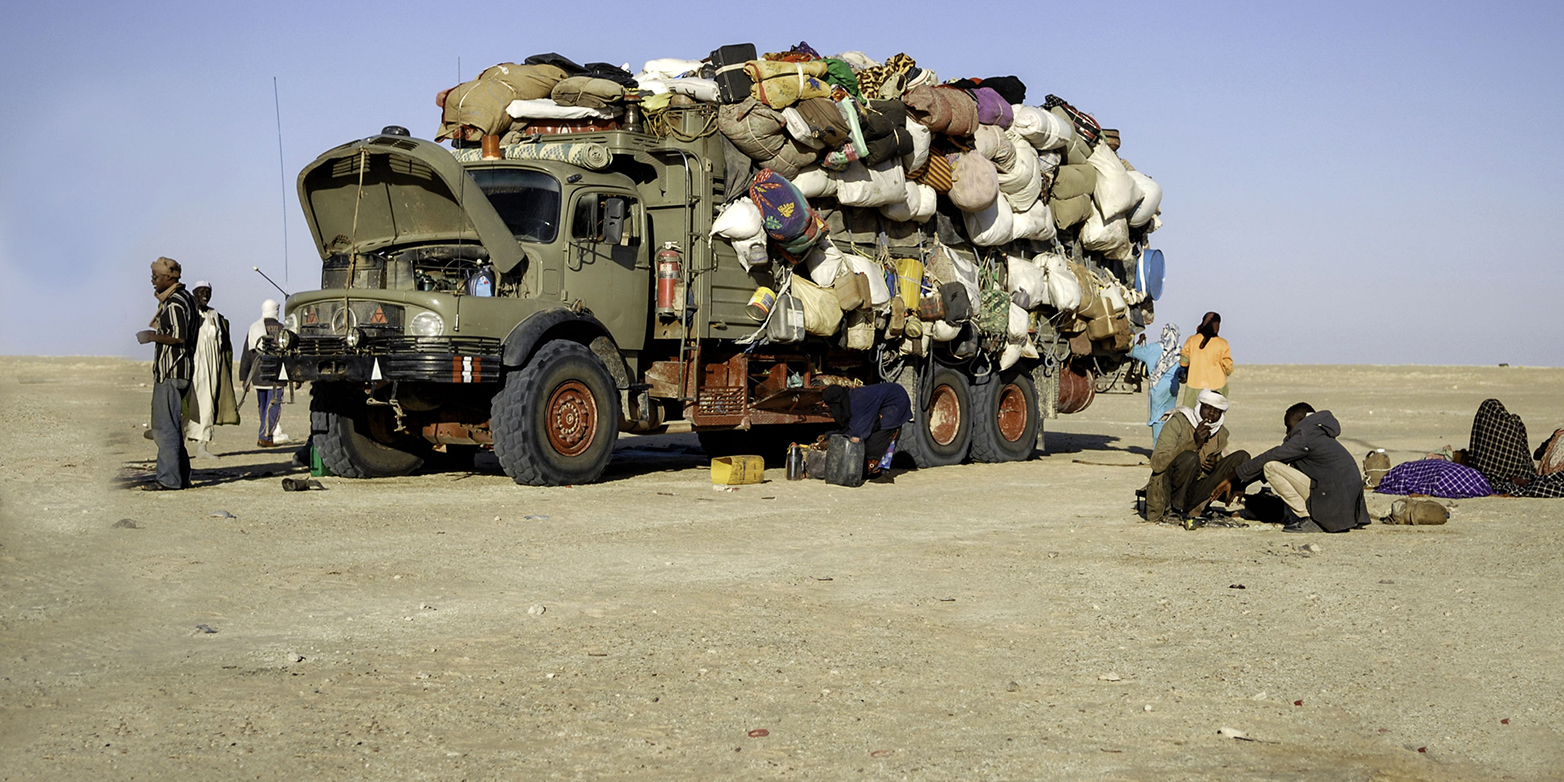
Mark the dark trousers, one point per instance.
(269, 404)
(878, 443)
(168, 420)
(1189, 484)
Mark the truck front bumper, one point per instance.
(430, 359)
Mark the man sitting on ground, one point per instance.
(1187, 462)
(1312, 473)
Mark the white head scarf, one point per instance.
(1170, 353)
(269, 310)
(1212, 399)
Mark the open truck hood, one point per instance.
(414, 193)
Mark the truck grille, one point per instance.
(401, 346)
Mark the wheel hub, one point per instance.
(944, 415)
(572, 418)
(1012, 413)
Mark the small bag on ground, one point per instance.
(1413, 512)
(1375, 465)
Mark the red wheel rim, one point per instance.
(1013, 413)
(572, 418)
(944, 415)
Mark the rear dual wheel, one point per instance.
(1006, 422)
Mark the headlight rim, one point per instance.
(426, 324)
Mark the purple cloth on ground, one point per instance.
(1435, 478)
(992, 109)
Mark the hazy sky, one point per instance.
(1345, 182)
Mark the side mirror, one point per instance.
(614, 213)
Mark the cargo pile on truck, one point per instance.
(719, 239)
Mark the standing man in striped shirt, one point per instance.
(173, 331)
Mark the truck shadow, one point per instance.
(1071, 442)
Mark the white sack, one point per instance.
(797, 127)
(815, 182)
(992, 226)
(1015, 338)
(752, 251)
(1022, 184)
(942, 331)
(917, 207)
(1040, 128)
(1064, 290)
(1035, 223)
(859, 186)
(1105, 236)
(991, 142)
(668, 68)
(1027, 284)
(857, 60)
(823, 263)
(1115, 192)
(699, 89)
(738, 220)
(922, 137)
(546, 108)
(1150, 199)
(879, 292)
(649, 84)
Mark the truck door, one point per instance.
(606, 264)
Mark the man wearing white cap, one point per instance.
(211, 400)
(1187, 463)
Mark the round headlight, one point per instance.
(286, 340)
(292, 321)
(355, 338)
(426, 324)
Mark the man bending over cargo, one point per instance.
(1311, 472)
(874, 415)
(1188, 462)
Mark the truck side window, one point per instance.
(603, 217)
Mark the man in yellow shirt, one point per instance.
(1206, 359)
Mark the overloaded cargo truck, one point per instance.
(539, 298)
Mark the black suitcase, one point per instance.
(844, 461)
(733, 84)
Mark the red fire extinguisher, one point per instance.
(669, 265)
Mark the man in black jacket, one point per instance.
(1311, 472)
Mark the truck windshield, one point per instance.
(528, 201)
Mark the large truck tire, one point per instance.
(556, 419)
(1005, 420)
(941, 431)
(347, 449)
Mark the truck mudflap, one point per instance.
(439, 361)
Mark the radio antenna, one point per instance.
(270, 280)
(282, 178)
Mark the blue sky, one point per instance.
(1345, 182)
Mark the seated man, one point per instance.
(1311, 472)
(1187, 462)
(874, 415)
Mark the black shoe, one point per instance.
(1303, 525)
(155, 486)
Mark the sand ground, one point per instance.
(983, 621)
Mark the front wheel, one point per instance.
(1005, 419)
(941, 431)
(556, 419)
(348, 446)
